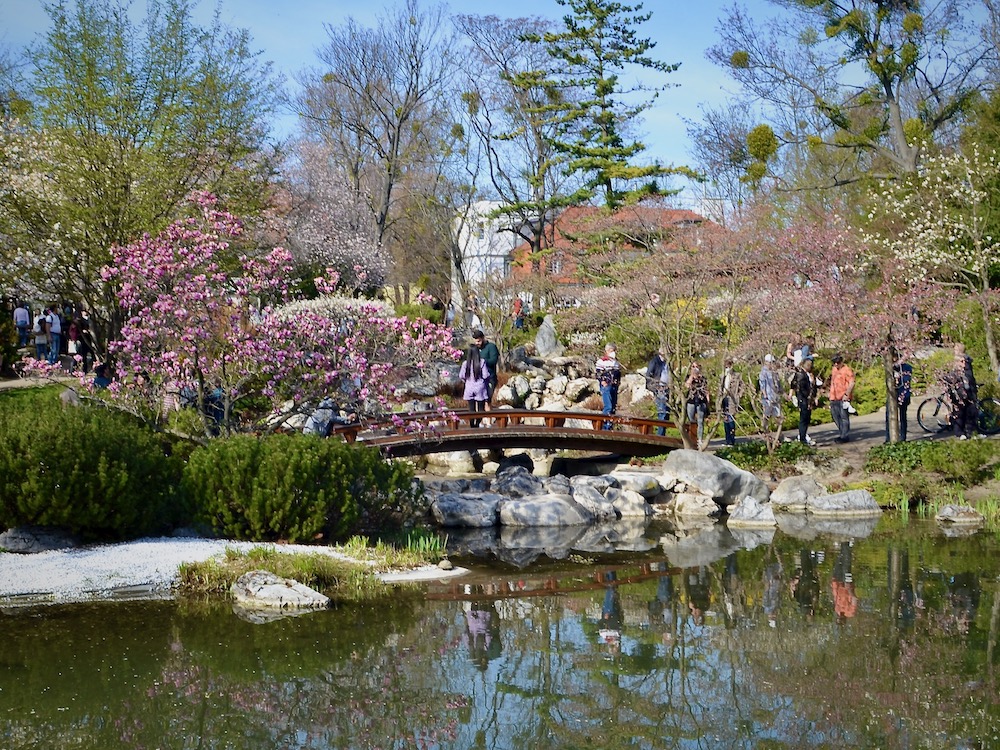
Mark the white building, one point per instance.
(484, 244)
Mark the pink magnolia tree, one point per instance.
(217, 330)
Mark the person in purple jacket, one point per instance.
(476, 376)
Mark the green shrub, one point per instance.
(752, 455)
(8, 343)
(292, 487)
(896, 458)
(98, 473)
(415, 311)
(964, 461)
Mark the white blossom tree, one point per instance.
(942, 225)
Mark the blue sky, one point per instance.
(290, 32)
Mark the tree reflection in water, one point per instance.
(880, 642)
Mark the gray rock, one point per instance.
(794, 493)
(32, 539)
(520, 387)
(644, 483)
(557, 385)
(748, 512)
(628, 503)
(260, 589)
(713, 476)
(691, 505)
(544, 510)
(452, 463)
(546, 341)
(578, 389)
(533, 401)
(537, 384)
(960, 515)
(516, 481)
(849, 504)
(558, 485)
(595, 502)
(469, 511)
(600, 482)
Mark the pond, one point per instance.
(808, 640)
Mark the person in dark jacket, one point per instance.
(804, 390)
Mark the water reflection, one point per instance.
(886, 641)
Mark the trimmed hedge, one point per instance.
(295, 488)
(97, 473)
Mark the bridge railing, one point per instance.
(418, 423)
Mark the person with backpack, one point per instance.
(697, 400)
(804, 391)
(658, 383)
(902, 377)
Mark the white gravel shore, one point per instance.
(142, 568)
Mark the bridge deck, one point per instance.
(420, 433)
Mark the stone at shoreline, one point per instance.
(544, 510)
(32, 539)
(516, 481)
(713, 476)
(749, 512)
(628, 503)
(689, 505)
(260, 589)
(468, 510)
(960, 515)
(644, 483)
(794, 493)
(849, 504)
(594, 501)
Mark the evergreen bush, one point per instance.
(98, 473)
(295, 488)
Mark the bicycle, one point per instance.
(933, 415)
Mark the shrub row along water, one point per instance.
(104, 476)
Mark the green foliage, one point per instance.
(752, 455)
(636, 342)
(338, 578)
(762, 143)
(97, 473)
(8, 343)
(415, 311)
(897, 458)
(966, 462)
(292, 487)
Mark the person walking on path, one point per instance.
(902, 378)
(804, 392)
(696, 404)
(476, 376)
(41, 334)
(730, 392)
(963, 394)
(54, 324)
(608, 371)
(489, 353)
(769, 384)
(841, 390)
(658, 383)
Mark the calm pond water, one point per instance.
(807, 639)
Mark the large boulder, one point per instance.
(453, 463)
(709, 475)
(689, 505)
(578, 389)
(544, 510)
(260, 589)
(470, 511)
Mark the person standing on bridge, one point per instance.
(476, 376)
(489, 353)
(608, 371)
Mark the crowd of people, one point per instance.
(791, 381)
(55, 331)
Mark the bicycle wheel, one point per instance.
(989, 416)
(932, 415)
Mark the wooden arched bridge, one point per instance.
(430, 432)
